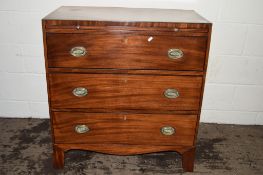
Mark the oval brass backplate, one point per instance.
(78, 51)
(175, 54)
(167, 130)
(80, 129)
(171, 93)
(80, 92)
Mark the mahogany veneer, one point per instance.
(133, 129)
(109, 51)
(120, 92)
(125, 81)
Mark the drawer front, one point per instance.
(96, 128)
(125, 92)
(126, 51)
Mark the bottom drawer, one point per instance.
(96, 128)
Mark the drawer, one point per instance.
(125, 92)
(125, 51)
(99, 128)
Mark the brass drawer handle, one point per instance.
(175, 54)
(171, 93)
(167, 130)
(80, 129)
(78, 51)
(80, 92)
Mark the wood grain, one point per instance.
(133, 129)
(188, 158)
(129, 31)
(123, 149)
(86, 24)
(58, 157)
(143, 111)
(125, 71)
(126, 51)
(122, 92)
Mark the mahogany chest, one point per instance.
(125, 81)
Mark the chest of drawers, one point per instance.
(125, 81)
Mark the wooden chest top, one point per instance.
(122, 14)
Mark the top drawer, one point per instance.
(126, 51)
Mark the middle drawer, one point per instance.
(124, 92)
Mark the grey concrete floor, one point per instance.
(25, 147)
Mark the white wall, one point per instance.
(234, 89)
